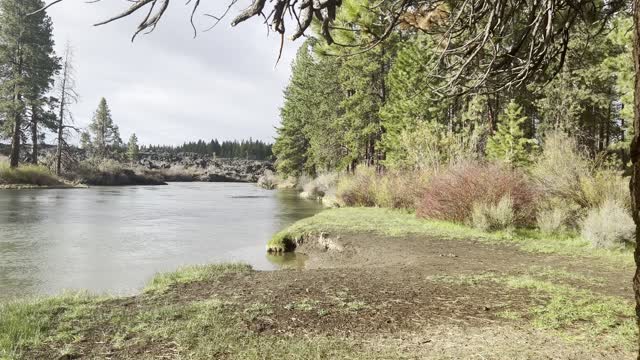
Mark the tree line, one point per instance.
(246, 149)
(382, 107)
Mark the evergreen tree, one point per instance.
(508, 144)
(133, 150)
(27, 64)
(292, 144)
(105, 134)
(85, 141)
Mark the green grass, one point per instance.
(395, 223)
(569, 312)
(27, 175)
(195, 329)
(29, 323)
(580, 314)
(163, 281)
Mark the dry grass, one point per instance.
(27, 175)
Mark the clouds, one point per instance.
(168, 87)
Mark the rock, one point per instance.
(196, 167)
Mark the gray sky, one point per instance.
(168, 87)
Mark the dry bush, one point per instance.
(451, 194)
(27, 175)
(567, 174)
(562, 168)
(359, 188)
(553, 221)
(268, 180)
(320, 186)
(494, 217)
(394, 189)
(609, 226)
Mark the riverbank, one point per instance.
(378, 284)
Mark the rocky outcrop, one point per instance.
(195, 167)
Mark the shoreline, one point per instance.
(387, 277)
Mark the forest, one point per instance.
(552, 153)
(249, 149)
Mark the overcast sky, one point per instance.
(168, 87)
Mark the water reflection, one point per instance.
(288, 260)
(115, 239)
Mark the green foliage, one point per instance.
(105, 135)
(27, 66)
(249, 149)
(509, 144)
(133, 150)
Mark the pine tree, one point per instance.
(85, 141)
(106, 135)
(27, 64)
(509, 144)
(133, 150)
(291, 144)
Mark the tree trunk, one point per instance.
(14, 158)
(59, 148)
(635, 157)
(34, 135)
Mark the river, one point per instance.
(114, 239)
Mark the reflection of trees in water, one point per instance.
(293, 208)
(289, 260)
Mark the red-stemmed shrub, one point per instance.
(451, 194)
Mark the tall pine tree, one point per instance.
(27, 67)
(105, 133)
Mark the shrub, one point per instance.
(394, 189)
(268, 180)
(452, 194)
(561, 169)
(609, 226)
(320, 186)
(603, 185)
(358, 189)
(27, 175)
(553, 221)
(493, 217)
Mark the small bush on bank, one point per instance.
(393, 189)
(268, 180)
(452, 194)
(609, 226)
(494, 217)
(358, 189)
(553, 221)
(320, 186)
(27, 175)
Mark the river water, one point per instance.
(114, 239)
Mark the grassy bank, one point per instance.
(28, 176)
(397, 223)
(154, 324)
